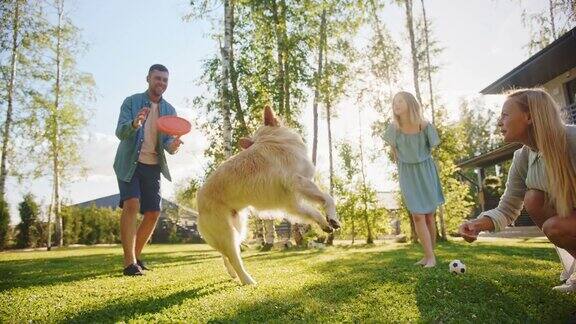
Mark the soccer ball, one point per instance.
(457, 267)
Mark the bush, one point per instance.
(91, 225)
(4, 223)
(29, 231)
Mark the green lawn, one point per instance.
(507, 281)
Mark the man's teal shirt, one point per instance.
(131, 138)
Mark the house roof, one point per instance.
(490, 158)
(550, 62)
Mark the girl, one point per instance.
(542, 177)
(412, 139)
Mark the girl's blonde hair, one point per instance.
(414, 110)
(549, 133)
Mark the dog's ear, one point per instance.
(245, 143)
(269, 118)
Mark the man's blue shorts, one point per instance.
(145, 185)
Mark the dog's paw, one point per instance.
(328, 229)
(334, 223)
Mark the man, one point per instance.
(139, 161)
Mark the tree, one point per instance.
(364, 190)
(413, 48)
(357, 203)
(269, 69)
(10, 88)
(226, 63)
(339, 21)
(429, 67)
(479, 123)
(318, 79)
(278, 9)
(57, 114)
(549, 24)
(28, 229)
(342, 22)
(229, 24)
(347, 199)
(384, 68)
(186, 193)
(480, 135)
(20, 21)
(383, 71)
(426, 47)
(458, 202)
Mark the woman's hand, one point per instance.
(470, 229)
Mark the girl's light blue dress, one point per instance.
(419, 181)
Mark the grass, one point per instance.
(507, 281)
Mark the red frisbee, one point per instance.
(173, 125)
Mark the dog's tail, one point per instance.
(221, 226)
(240, 224)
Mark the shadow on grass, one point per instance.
(381, 285)
(278, 255)
(134, 306)
(52, 271)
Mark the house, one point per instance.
(554, 69)
(174, 219)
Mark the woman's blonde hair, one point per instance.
(414, 110)
(549, 133)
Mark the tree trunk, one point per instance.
(59, 232)
(328, 105)
(55, 140)
(415, 65)
(330, 240)
(317, 86)
(10, 99)
(552, 23)
(413, 236)
(353, 231)
(429, 71)
(49, 225)
(442, 225)
(330, 156)
(285, 48)
(415, 73)
(233, 75)
(369, 238)
(433, 112)
(225, 93)
(380, 35)
(279, 57)
(287, 108)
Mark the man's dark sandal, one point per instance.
(133, 270)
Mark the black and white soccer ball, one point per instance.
(457, 267)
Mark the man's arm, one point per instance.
(125, 127)
(169, 143)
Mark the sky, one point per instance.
(482, 41)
